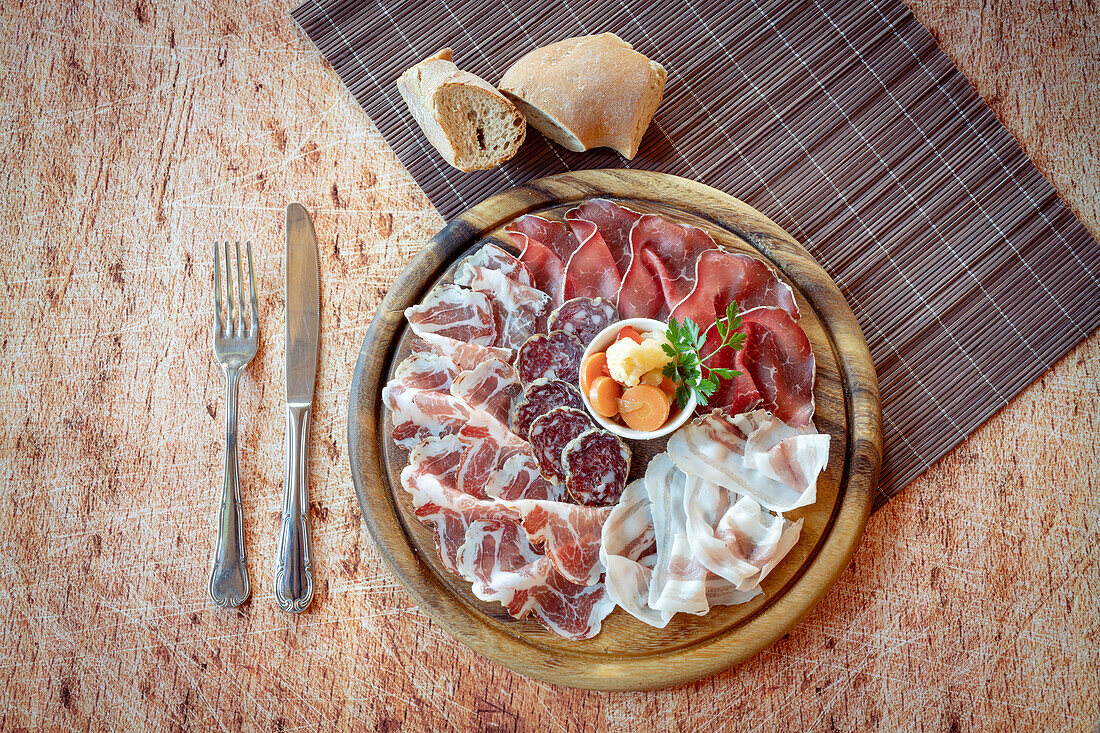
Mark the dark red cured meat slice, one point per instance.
(541, 396)
(723, 277)
(614, 223)
(778, 357)
(550, 434)
(545, 246)
(554, 355)
(455, 312)
(584, 317)
(597, 464)
(492, 257)
(738, 394)
(592, 268)
(662, 266)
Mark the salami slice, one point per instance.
(556, 355)
(596, 466)
(540, 397)
(584, 317)
(551, 433)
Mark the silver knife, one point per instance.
(293, 568)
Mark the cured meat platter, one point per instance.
(623, 653)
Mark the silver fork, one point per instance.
(234, 347)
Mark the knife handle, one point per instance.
(293, 568)
(229, 578)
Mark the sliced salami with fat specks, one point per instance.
(555, 355)
(596, 465)
(584, 317)
(540, 397)
(551, 433)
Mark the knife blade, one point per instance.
(294, 567)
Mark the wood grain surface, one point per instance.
(136, 133)
(627, 654)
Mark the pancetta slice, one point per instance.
(778, 357)
(426, 370)
(491, 386)
(421, 413)
(717, 448)
(499, 561)
(545, 247)
(724, 277)
(662, 266)
(592, 268)
(492, 257)
(464, 355)
(569, 535)
(520, 310)
(455, 312)
(628, 551)
(567, 609)
(614, 223)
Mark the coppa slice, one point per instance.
(490, 386)
(492, 257)
(457, 313)
(541, 396)
(551, 433)
(520, 310)
(596, 466)
(554, 355)
(426, 370)
(584, 317)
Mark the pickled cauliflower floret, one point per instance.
(628, 360)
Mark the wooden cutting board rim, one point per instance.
(586, 670)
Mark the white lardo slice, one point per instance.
(628, 552)
(679, 580)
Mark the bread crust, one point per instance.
(588, 92)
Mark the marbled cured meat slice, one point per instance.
(614, 223)
(422, 413)
(554, 355)
(545, 247)
(596, 465)
(464, 355)
(724, 277)
(489, 446)
(662, 266)
(569, 534)
(778, 357)
(584, 317)
(426, 370)
(592, 268)
(499, 561)
(438, 457)
(550, 434)
(491, 386)
(520, 310)
(455, 312)
(567, 609)
(520, 478)
(541, 396)
(751, 455)
(492, 257)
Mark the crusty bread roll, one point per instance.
(588, 92)
(470, 123)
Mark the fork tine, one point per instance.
(219, 326)
(252, 284)
(228, 289)
(240, 292)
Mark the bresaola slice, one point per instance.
(596, 466)
(613, 222)
(550, 434)
(723, 277)
(591, 268)
(662, 266)
(778, 357)
(554, 355)
(545, 247)
(541, 396)
(583, 317)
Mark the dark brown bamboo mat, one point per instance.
(847, 125)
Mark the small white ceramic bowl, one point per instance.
(606, 337)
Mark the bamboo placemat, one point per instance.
(843, 122)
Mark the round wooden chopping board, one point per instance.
(627, 654)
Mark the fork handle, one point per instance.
(229, 579)
(294, 568)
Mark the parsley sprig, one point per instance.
(685, 344)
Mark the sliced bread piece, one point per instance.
(470, 123)
(588, 92)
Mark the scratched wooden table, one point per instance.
(134, 134)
